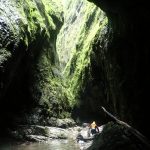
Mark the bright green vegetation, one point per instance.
(55, 75)
(30, 28)
(78, 35)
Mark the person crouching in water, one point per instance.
(94, 128)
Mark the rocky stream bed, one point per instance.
(112, 136)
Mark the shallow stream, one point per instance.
(49, 145)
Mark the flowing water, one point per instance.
(50, 145)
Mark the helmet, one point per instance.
(93, 122)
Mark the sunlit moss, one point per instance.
(78, 37)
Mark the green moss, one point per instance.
(34, 26)
(55, 81)
(46, 88)
(77, 46)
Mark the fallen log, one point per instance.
(135, 132)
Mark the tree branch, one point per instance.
(141, 137)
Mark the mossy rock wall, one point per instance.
(28, 58)
(34, 74)
(83, 24)
(124, 61)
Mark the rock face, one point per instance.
(117, 137)
(37, 81)
(28, 58)
(124, 61)
(83, 24)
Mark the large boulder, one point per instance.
(117, 137)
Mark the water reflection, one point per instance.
(50, 145)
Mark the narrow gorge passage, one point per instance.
(62, 60)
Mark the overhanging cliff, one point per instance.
(125, 61)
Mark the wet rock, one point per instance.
(36, 138)
(116, 137)
(85, 125)
(58, 133)
(39, 133)
(62, 123)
